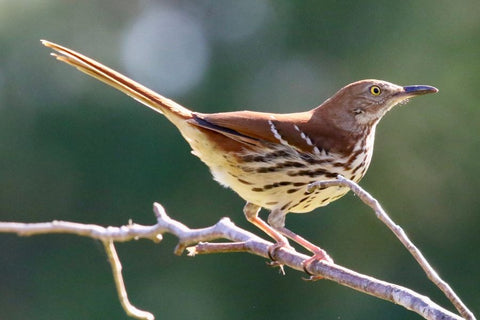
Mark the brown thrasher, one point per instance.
(269, 159)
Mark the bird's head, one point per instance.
(365, 102)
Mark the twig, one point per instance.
(401, 235)
(242, 240)
(132, 231)
(130, 309)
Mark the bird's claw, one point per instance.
(272, 253)
(275, 264)
(320, 255)
(275, 247)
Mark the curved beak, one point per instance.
(411, 91)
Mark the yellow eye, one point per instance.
(375, 90)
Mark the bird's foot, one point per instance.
(272, 252)
(318, 255)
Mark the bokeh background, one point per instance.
(74, 149)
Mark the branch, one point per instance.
(401, 235)
(242, 241)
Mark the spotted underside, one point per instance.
(278, 179)
(275, 175)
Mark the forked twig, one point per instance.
(401, 235)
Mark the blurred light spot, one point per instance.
(166, 50)
(238, 19)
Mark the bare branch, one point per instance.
(401, 235)
(242, 241)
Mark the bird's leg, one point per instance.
(277, 220)
(251, 213)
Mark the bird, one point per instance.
(270, 159)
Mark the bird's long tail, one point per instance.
(173, 111)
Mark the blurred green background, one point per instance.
(73, 149)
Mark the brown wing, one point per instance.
(256, 128)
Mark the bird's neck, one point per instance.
(342, 135)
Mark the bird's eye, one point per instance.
(375, 90)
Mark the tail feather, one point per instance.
(172, 110)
